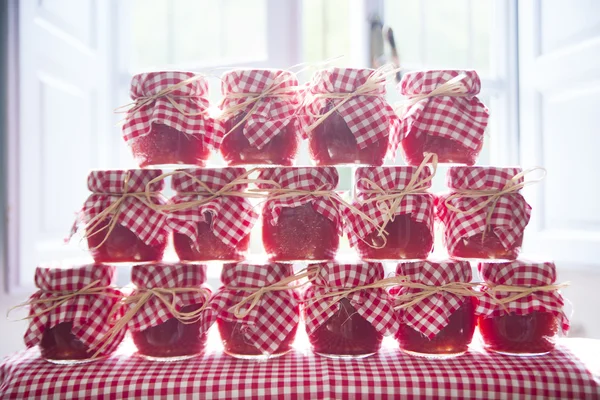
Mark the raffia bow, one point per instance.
(453, 88)
(337, 295)
(410, 299)
(519, 292)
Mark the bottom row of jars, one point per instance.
(347, 309)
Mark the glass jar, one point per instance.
(403, 208)
(443, 116)
(139, 232)
(357, 129)
(66, 330)
(264, 131)
(478, 221)
(288, 216)
(264, 329)
(528, 325)
(157, 333)
(168, 123)
(343, 320)
(209, 226)
(435, 322)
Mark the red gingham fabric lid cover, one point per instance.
(269, 323)
(107, 186)
(527, 274)
(374, 305)
(271, 114)
(301, 178)
(431, 315)
(192, 98)
(88, 313)
(463, 119)
(389, 179)
(167, 275)
(232, 217)
(370, 118)
(509, 218)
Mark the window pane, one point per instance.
(404, 17)
(196, 35)
(150, 33)
(326, 33)
(244, 29)
(447, 42)
(482, 20)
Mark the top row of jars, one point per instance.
(342, 112)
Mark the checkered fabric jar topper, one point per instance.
(445, 104)
(257, 298)
(383, 193)
(82, 295)
(215, 192)
(484, 200)
(521, 287)
(433, 292)
(296, 186)
(267, 98)
(128, 198)
(176, 99)
(358, 96)
(361, 283)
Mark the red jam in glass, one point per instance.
(415, 145)
(486, 247)
(164, 145)
(59, 343)
(237, 150)
(301, 233)
(235, 343)
(453, 339)
(332, 143)
(346, 334)
(406, 239)
(172, 339)
(209, 247)
(533, 333)
(122, 245)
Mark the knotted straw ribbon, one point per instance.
(519, 291)
(492, 196)
(143, 101)
(382, 201)
(410, 299)
(141, 297)
(114, 209)
(452, 88)
(369, 88)
(258, 292)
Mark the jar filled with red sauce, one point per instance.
(157, 333)
(478, 221)
(298, 225)
(441, 324)
(255, 129)
(343, 320)
(214, 218)
(525, 326)
(168, 123)
(67, 332)
(119, 220)
(266, 328)
(347, 119)
(395, 199)
(442, 115)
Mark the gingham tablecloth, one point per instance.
(572, 371)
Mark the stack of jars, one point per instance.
(348, 307)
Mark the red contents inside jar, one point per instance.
(415, 145)
(168, 146)
(454, 338)
(333, 143)
(208, 246)
(301, 233)
(235, 342)
(122, 245)
(346, 333)
(406, 239)
(172, 338)
(485, 247)
(237, 150)
(59, 343)
(533, 333)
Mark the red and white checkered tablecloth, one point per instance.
(572, 371)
